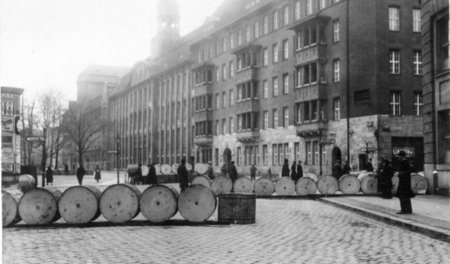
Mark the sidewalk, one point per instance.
(431, 214)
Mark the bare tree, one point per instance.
(82, 130)
(28, 120)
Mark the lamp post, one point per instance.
(117, 140)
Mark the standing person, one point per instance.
(299, 170)
(80, 174)
(346, 169)
(183, 175)
(337, 170)
(233, 174)
(49, 176)
(253, 172)
(404, 191)
(294, 171)
(369, 166)
(285, 169)
(151, 176)
(97, 173)
(387, 172)
(210, 171)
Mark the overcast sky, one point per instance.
(47, 43)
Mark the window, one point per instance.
(275, 86)
(224, 72)
(248, 33)
(286, 117)
(265, 25)
(298, 113)
(275, 53)
(336, 109)
(309, 7)
(224, 99)
(394, 19)
(297, 10)
(336, 31)
(224, 44)
(265, 89)
(285, 83)
(217, 74)
(418, 104)
(224, 126)
(298, 42)
(239, 37)
(231, 97)
(216, 130)
(274, 154)
(217, 101)
(232, 41)
(265, 57)
(286, 15)
(417, 21)
(394, 62)
(362, 96)
(323, 4)
(231, 125)
(417, 62)
(238, 156)
(231, 66)
(395, 103)
(308, 153)
(285, 49)
(299, 77)
(316, 152)
(256, 29)
(336, 71)
(266, 120)
(275, 20)
(265, 154)
(275, 118)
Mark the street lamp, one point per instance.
(117, 140)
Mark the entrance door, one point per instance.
(335, 156)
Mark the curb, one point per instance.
(433, 232)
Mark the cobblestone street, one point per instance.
(286, 231)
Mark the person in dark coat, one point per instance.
(80, 174)
(285, 169)
(233, 174)
(346, 169)
(336, 171)
(151, 176)
(97, 173)
(210, 172)
(299, 170)
(49, 176)
(138, 175)
(386, 173)
(369, 166)
(253, 173)
(294, 171)
(183, 175)
(404, 191)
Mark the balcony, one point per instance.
(309, 54)
(248, 136)
(248, 105)
(203, 115)
(311, 92)
(247, 74)
(311, 128)
(203, 140)
(203, 89)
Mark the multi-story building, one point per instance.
(436, 91)
(317, 81)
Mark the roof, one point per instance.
(106, 70)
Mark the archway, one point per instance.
(227, 155)
(335, 155)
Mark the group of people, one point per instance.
(337, 170)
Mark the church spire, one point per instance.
(168, 23)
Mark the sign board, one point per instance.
(410, 151)
(8, 124)
(35, 139)
(368, 149)
(328, 141)
(113, 152)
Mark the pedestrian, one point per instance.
(299, 170)
(210, 171)
(336, 171)
(151, 176)
(97, 173)
(369, 166)
(294, 171)
(253, 173)
(346, 169)
(387, 172)
(138, 174)
(404, 191)
(269, 172)
(183, 175)
(80, 174)
(285, 169)
(49, 175)
(233, 174)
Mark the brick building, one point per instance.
(436, 90)
(317, 81)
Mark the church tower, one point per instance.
(168, 26)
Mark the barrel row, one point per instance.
(118, 203)
(310, 184)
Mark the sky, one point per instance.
(46, 44)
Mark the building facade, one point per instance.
(436, 90)
(316, 81)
